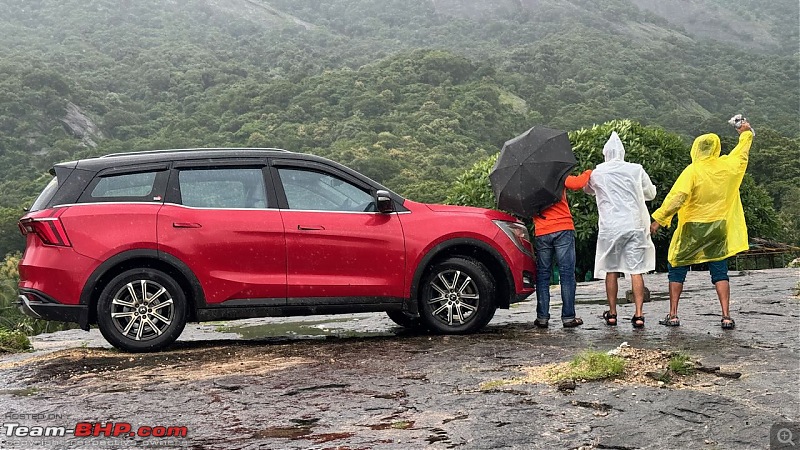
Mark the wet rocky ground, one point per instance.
(359, 382)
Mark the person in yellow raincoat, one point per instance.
(711, 225)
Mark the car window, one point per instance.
(317, 191)
(46, 195)
(223, 188)
(128, 185)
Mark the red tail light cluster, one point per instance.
(49, 229)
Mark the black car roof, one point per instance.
(154, 156)
(157, 156)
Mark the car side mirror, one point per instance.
(384, 201)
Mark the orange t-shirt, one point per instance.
(557, 217)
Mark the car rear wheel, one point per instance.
(457, 296)
(141, 310)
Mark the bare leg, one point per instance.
(612, 288)
(637, 284)
(723, 288)
(675, 290)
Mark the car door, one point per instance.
(218, 220)
(339, 249)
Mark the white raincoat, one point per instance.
(623, 238)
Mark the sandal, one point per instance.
(576, 322)
(731, 324)
(635, 321)
(608, 317)
(670, 321)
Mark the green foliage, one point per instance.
(473, 187)
(681, 364)
(13, 341)
(593, 365)
(775, 169)
(12, 320)
(412, 93)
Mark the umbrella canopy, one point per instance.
(530, 172)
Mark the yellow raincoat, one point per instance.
(705, 196)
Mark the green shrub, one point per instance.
(13, 341)
(11, 318)
(680, 364)
(593, 365)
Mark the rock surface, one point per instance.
(358, 382)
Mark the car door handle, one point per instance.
(186, 225)
(310, 227)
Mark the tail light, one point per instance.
(49, 229)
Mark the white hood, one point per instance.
(614, 150)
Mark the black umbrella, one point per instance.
(530, 172)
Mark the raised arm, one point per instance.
(742, 150)
(575, 183)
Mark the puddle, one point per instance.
(20, 392)
(309, 329)
(283, 432)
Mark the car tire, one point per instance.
(405, 321)
(141, 310)
(457, 296)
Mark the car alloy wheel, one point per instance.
(142, 310)
(458, 296)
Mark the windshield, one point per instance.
(47, 194)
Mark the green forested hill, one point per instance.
(410, 92)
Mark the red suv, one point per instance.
(140, 243)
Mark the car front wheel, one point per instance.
(457, 296)
(141, 310)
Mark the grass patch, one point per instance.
(681, 364)
(402, 424)
(13, 341)
(592, 365)
(494, 384)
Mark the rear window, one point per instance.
(47, 194)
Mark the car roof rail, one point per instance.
(179, 150)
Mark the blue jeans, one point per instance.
(560, 244)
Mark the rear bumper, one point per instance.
(40, 306)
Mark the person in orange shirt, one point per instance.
(554, 234)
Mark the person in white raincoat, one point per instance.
(623, 239)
